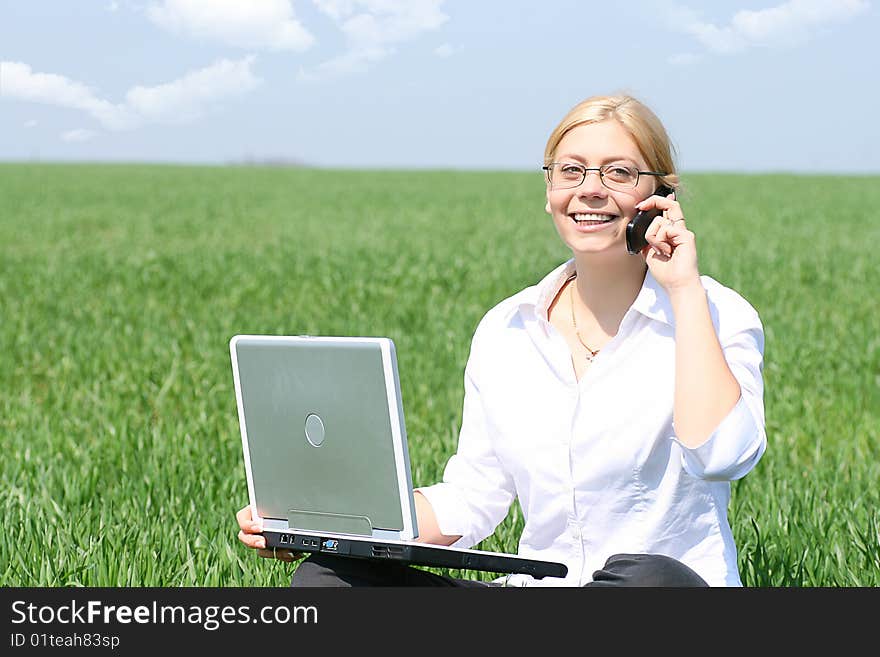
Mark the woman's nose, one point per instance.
(592, 185)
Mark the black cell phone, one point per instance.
(636, 229)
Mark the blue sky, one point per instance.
(741, 86)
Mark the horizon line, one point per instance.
(282, 163)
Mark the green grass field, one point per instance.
(120, 287)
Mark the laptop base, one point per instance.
(417, 554)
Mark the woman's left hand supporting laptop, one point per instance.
(251, 535)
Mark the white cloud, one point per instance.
(30, 123)
(178, 101)
(785, 25)
(186, 98)
(353, 61)
(372, 28)
(17, 80)
(336, 9)
(249, 24)
(446, 50)
(78, 135)
(388, 21)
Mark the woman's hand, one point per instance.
(250, 534)
(671, 253)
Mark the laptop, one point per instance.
(325, 453)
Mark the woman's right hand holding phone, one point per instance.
(250, 533)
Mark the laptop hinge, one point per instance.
(329, 522)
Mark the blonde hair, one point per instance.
(636, 118)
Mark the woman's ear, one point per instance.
(547, 206)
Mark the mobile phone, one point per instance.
(636, 229)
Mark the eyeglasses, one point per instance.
(566, 175)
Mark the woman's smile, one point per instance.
(589, 222)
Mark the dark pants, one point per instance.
(327, 570)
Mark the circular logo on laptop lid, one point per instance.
(314, 430)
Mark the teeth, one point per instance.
(600, 218)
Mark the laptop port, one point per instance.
(387, 551)
(330, 545)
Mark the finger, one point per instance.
(668, 246)
(674, 226)
(674, 215)
(683, 237)
(281, 555)
(655, 235)
(247, 523)
(654, 227)
(661, 240)
(661, 202)
(252, 540)
(676, 234)
(657, 254)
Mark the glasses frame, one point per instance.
(601, 171)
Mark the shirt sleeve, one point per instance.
(476, 491)
(739, 441)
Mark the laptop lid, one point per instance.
(323, 434)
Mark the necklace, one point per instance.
(592, 352)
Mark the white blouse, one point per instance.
(595, 463)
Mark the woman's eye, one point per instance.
(619, 173)
(571, 169)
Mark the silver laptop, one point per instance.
(325, 453)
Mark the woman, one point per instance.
(617, 398)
